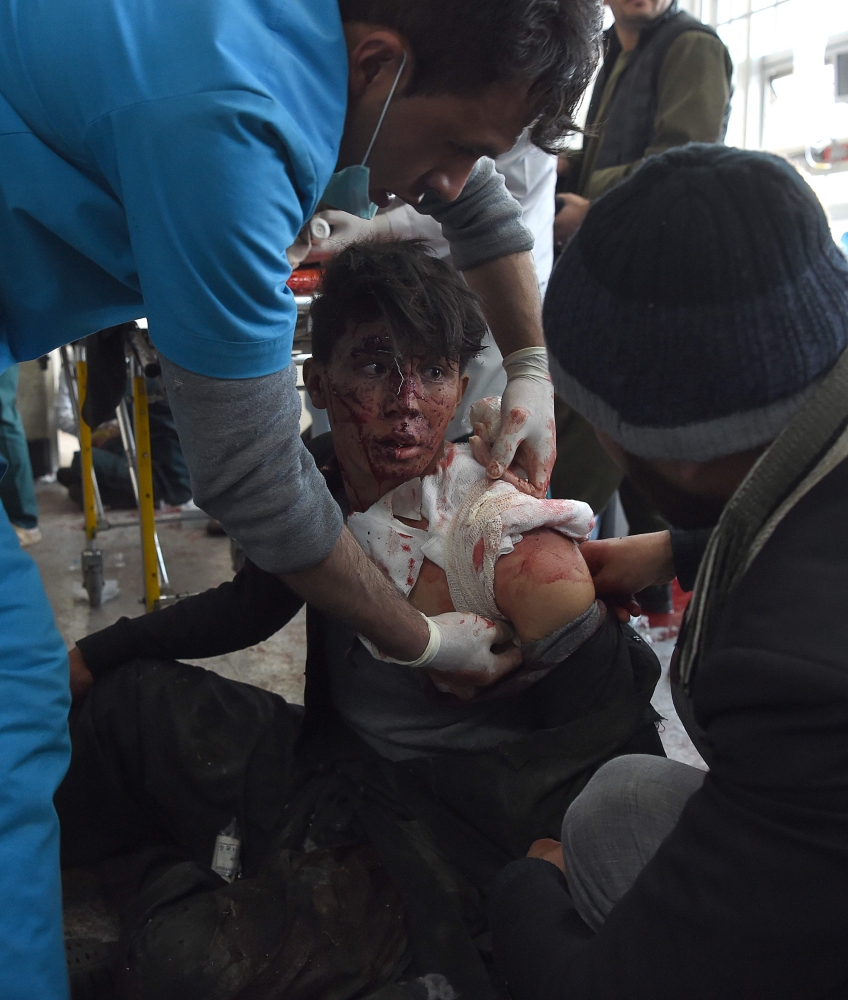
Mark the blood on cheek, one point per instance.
(362, 405)
(347, 407)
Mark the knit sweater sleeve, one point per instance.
(483, 223)
(692, 97)
(249, 467)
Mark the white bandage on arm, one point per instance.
(489, 523)
(472, 521)
(473, 546)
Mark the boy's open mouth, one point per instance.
(402, 445)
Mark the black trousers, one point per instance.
(164, 755)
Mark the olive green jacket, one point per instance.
(693, 94)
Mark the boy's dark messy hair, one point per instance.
(464, 46)
(425, 304)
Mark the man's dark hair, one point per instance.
(424, 302)
(463, 46)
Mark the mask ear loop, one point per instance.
(385, 109)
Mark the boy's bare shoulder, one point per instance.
(542, 584)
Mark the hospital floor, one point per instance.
(196, 562)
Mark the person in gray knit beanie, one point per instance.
(698, 305)
(699, 320)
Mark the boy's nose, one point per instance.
(405, 390)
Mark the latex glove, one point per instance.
(485, 417)
(459, 658)
(299, 250)
(526, 436)
(344, 229)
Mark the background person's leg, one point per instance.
(17, 489)
(33, 757)
(616, 824)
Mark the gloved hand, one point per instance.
(525, 435)
(344, 229)
(299, 250)
(459, 657)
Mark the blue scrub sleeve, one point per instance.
(34, 754)
(211, 206)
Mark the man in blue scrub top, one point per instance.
(157, 158)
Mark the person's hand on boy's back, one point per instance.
(621, 567)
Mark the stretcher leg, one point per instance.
(144, 472)
(92, 557)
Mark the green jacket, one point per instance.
(692, 96)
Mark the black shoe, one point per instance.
(91, 968)
(656, 600)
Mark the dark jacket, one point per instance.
(674, 89)
(255, 605)
(481, 808)
(746, 897)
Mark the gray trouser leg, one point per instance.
(614, 827)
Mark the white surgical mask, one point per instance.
(347, 189)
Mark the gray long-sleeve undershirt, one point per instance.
(483, 223)
(249, 468)
(241, 437)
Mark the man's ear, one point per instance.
(313, 382)
(374, 58)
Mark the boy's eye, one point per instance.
(374, 369)
(434, 373)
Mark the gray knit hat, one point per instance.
(698, 305)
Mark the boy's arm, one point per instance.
(543, 584)
(245, 610)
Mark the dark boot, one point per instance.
(91, 968)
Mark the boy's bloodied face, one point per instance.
(388, 408)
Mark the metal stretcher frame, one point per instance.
(157, 588)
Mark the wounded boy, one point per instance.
(373, 821)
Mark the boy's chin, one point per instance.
(401, 465)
